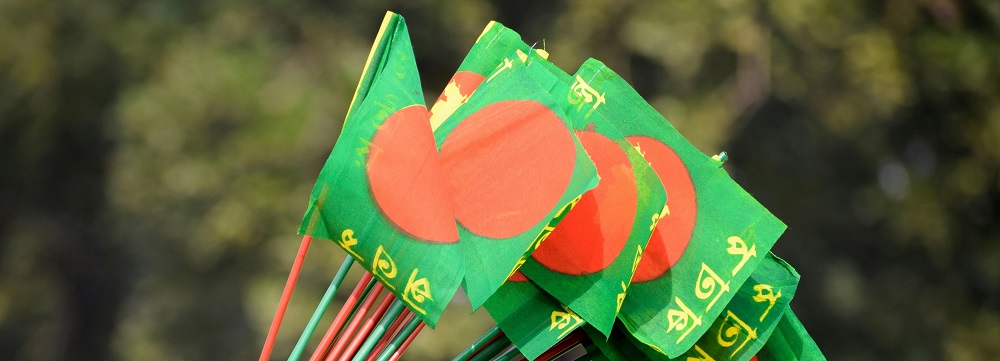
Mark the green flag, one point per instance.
(709, 239)
(588, 260)
(531, 319)
(512, 162)
(738, 333)
(790, 342)
(495, 46)
(364, 198)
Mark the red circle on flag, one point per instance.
(457, 92)
(673, 231)
(592, 235)
(406, 178)
(517, 276)
(506, 167)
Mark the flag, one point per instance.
(708, 240)
(790, 342)
(364, 198)
(494, 48)
(528, 316)
(511, 162)
(588, 260)
(738, 333)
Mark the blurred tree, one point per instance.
(155, 157)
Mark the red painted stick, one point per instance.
(365, 329)
(359, 316)
(286, 295)
(331, 333)
(390, 334)
(399, 352)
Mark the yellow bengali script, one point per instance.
(347, 241)
(765, 293)
(416, 292)
(565, 320)
(731, 330)
(383, 267)
(739, 248)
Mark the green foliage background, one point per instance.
(156, 157)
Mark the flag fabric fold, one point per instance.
(364, 196)
(587, 262)
(742, 329)
(512, 163)
(790, 342)
(710, 237)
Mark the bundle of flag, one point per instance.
(564, 205)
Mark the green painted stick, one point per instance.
(509, 355)
(479, 344)
(373, 338)
(364, 294)
(354, 302)
(492, 350)
(324, 303)
(398, 340)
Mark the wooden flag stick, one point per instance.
(484, 340)
(348, 332)
(406, 343)
(324, 303)
(401, 337)
(286, 295)
(376, 333)
(345, 311)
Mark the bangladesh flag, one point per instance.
(587, 262)
(529, 317)
(738, 333)
(382, 194)
(710, 236)
(511, 163)
(495, 48)
(790, 342)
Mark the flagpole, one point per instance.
(492, 349)
(376, 334)
(407, 342)
(346, 310)
(391, 333)
(483, 340)
(401, 337)
(324, 303)
(286, 295)
(509, 355)
(356, 319)
(565, 345)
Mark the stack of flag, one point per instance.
(563, 204)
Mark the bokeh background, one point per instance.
(156, 157)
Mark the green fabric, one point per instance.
(343, 207)
(530, 318)
(790, 341)
(510, 103)
(731, 230)
(494, 45)
(741, 331)
(588, 260)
